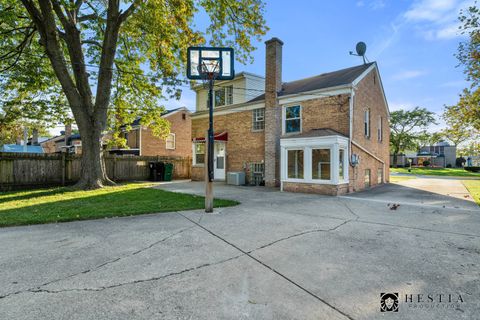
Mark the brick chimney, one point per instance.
(273, 114)
(68, 133)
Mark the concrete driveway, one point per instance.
(276, 256)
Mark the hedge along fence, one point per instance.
(23, 170)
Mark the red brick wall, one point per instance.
(329, 112)
(369, 95)
(244, 146)
(154, 146)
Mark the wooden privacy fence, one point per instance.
(21, 170)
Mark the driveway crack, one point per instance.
(273, 269)
(39, 289)
(300, 234)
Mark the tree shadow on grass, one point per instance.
(113, 204)
(31, 194)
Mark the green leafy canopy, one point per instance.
(406, 127)
(465, 115)
(149, 55)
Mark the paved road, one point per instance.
(276, 256)
(426, 190)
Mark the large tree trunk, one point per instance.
(93, 172)
(395, 156)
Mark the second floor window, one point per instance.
(222, 96)
(293, 121)
(258, 121)
(229, 95)
(380, 129)
(366, 123)
(219, 97)
(170, 142)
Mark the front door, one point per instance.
(219, 161)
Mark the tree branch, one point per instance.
(44, 20)
(87, 17)
(124, 15)
(96, 43)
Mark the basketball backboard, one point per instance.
(203, 62)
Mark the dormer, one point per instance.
(243, 88)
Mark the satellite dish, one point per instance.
(361, 48)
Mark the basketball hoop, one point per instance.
(209, 64)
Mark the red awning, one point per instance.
(218, 136)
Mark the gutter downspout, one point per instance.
(350, 134)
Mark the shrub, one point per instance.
(448, 166)
(460, 161)
(426, 163)
(473, 169)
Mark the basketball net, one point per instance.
(206, 74)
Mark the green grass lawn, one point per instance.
(67, 204)
(457, 172)
(473, 187)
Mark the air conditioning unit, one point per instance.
(236, 178)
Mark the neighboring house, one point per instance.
(325, 134)
(141, 141)
(441, 154)
(65, 142)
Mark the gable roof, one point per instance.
(321, 81)
(164, 114)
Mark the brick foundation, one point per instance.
(326, 189)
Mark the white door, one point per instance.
(219, 161)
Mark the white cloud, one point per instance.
(408, 74)
(436, 19)
(430, 10)
(372, 4)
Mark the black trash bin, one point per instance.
(160, 171)
(152, 166)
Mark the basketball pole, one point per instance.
(209, 149)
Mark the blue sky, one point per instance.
(413, 42)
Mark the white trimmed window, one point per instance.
(170, 142)
(222, 96)
(321, 164)
(258, 119)
(198, 153)
(367, 178)
(380, 129)
(295, 164)
(366, 123)
(341, 164)
(293, 119)
(228, 95)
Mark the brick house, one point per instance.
(65, 142)
(325, 134)
(142, 142)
